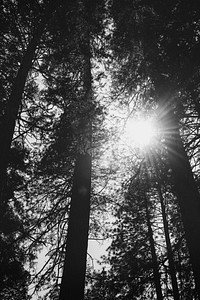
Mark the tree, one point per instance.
(141, 232)
(166, 62)
(10, 111)
(13, 228)
(153, 253)
(133, 266)
(23, 24)
(64, 48)
(66, 69)
(73, 278)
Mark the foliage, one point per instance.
(13, 228)
(129, 261)
(143, 45)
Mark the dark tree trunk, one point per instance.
(189, 201)
(14, 101)
(184, 183)
(73, 279)
(156, 273)
(169, 247)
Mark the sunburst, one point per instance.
(140, 132)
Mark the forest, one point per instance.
(99, 131)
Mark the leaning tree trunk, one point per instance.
(184, 183)
(14, 101)
(73, 278)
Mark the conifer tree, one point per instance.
(162, 44)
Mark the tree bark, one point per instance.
(73, 278)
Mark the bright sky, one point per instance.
(140, 132)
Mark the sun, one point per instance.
(140, 132)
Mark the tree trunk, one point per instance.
(153, 253)
(14, 101)
(73, 278)
(184, 183)
(189, 201)
(169, 247)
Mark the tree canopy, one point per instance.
(73, 74)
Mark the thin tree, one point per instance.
(168, 243)
(166, 229)
(156, 272)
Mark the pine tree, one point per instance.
(66, 71)
(162, 45)
(23, 24)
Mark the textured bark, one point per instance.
(156, 273)
(73, 279)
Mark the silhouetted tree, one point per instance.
(166, 55)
